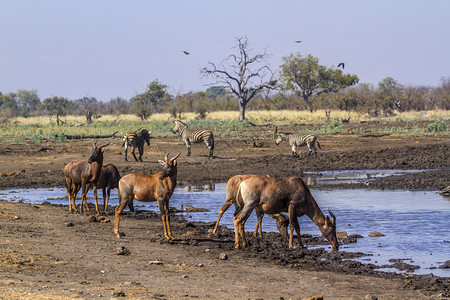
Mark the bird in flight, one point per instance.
(185, 52)
(298, 42)
(341, 64)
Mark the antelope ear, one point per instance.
(161, 162)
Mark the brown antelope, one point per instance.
(83, 174)
(232, 189)
(274, 195)
(109, 179)
(148, 188)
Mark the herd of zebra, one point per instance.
(139, 138)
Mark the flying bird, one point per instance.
(298, 42)
(185, 52)
(341, 64)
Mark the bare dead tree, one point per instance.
(242, 74)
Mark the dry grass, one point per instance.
(258, 117)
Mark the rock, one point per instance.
(119, 294)
(341, 234)
(223, 256)
(315, 298)
(123, 251)
(155, 262)
(92, 219)
(190, 208)
(69, 224)
(375, 234)
(370, 297)
(16, 217)
(446, 265)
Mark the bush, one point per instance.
(437, 126)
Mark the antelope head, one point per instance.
(96, 152)
(170, 166)
(329, 231)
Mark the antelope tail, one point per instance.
(239, 199)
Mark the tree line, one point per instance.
(244, 81)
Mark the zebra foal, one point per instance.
(194, 136)
(136, 140)
(298, 140)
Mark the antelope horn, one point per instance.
(104, 145)
(94, 145)
(175, 157)
(167, 156)
(332, 216)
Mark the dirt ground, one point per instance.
(49, 253)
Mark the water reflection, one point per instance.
(415, 224)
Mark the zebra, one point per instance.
(194, 136)
(136, 140)
(298, 140)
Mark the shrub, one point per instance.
(437, 126)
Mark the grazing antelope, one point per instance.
(194, 136)
(136, 140)
(274, 195)
(232, 189)
(148, 188)
(297, 140)
(83, 174)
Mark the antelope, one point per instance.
(148, 188)
(232, 189)
(83, 174)
(109, 179)
(274, 195)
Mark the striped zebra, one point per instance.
(194, 136)
(136, 140)
(298, 140)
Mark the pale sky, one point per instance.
(110, 48)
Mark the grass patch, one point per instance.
(225, 124)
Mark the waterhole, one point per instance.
(415, 224)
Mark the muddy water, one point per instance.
(414, 224)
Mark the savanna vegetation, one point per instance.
(244, 88)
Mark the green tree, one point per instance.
(8, 107)
(387, 96)
(215, 91)
(28, 102)
(242, 74)
(155, 93)
(56, 106)
(308, 79)
(144, 104)
(202, 105)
